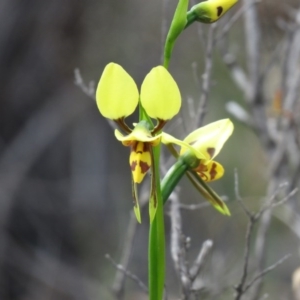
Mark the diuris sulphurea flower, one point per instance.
(209, 11)
(117, 97)
(197, 154)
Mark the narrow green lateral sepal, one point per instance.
(152, 208)
(153, 194)
(136, 207)
(137, 213)
(177, 26)
(208, 193)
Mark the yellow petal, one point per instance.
(169, 139)
(210, 139)
(212, 10)
(140, 161)
(117, 94)
(210, 170)
(138, 134)
(160, 95)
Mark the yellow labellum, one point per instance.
(210, 170)
(140, 160)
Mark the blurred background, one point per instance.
(65, 185)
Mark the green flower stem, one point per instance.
(156, 248)
(172, 178)
(157, 241)
(156, 251)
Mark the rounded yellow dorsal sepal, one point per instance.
(160, 95)
(117, 95)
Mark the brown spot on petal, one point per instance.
(133, 165)
(219, 10)
(146, 147)
(144, 167)
(133, 145)
(213, 171)
(201, 169)
(211, 151)
(203, 176)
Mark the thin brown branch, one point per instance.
(242, 287)
(238, 196)
(178, 250)
(265, 271)
(119, 280)
(240, 290)
(88, 89)
(206, 77)
(201, 258)
(128, 274)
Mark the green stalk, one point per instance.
(157, 240)
(156, 251)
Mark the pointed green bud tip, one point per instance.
(152, 202)
(222, 209)
(137, 213)
(177, 26)
(179, 19)
(152, 213)
(209, 11)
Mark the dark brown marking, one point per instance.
(146, 147)
(159, 126)
(153, 191)
(213, 171)
(133, 146)
(211, 151)
(144, 167)
(201, 169)
(133, 165)
(219, 10)
(203, 176)
(154, 200)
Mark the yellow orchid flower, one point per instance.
(117, 97)
(204, 144)
(210, 11)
